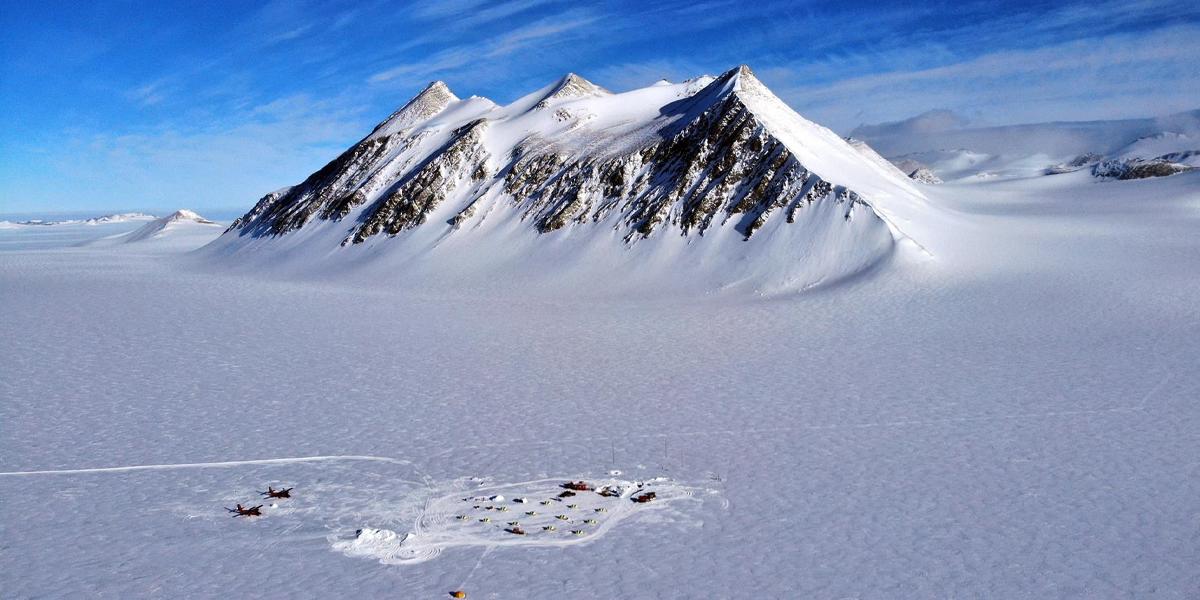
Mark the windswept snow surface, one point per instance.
(1012, 416)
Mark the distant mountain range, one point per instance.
(114, 218)
(946, 147)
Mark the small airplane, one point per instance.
(644, 498)
(277, 493)
(246, 511)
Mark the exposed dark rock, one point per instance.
(924, 175)
(1137, 169)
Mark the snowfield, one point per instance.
(1010, 413)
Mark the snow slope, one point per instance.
(712, 183)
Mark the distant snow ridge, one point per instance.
(102, 220)
(159, 227)
(119, 218)
(706, 155)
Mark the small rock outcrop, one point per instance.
(1137, 168)
(924, 175)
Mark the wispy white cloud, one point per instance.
(148, 94)
(496, 47)
(445, 8)
(226, 163)
(1118, 75)
(289, 34)
(499, 10)
(344, 19)
(280, 91)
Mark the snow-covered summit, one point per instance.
(433, 99)
(184, 214)
(569, 87)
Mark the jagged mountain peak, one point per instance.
(738, 79)
(432, 100)
(736, 83)
(571, 86)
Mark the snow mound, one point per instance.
(385, 545)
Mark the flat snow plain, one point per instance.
(1015, 417)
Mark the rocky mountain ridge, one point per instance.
(692, 156)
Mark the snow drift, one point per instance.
(712, 181)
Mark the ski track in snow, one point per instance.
(212, 465)
(1141, 406)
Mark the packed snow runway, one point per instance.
(1014, 416)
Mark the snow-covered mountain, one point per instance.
(179, 231)
(705, 161)
(102, 220)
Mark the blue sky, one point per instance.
(209, 105)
